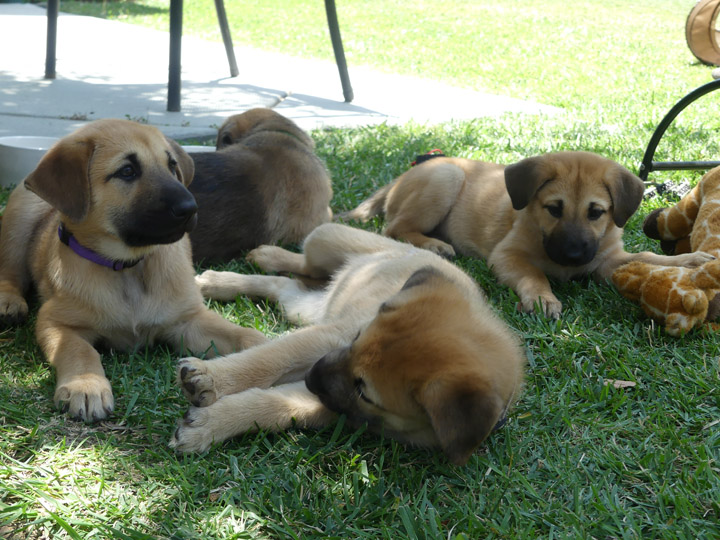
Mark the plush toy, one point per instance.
(681, 298)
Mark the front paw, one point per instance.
(213, 284)
(694, 259)
(439, 248)
(196, 382)
(547, 305)
(193, 433)
(266, 257)
(13, 309)
(86, 397)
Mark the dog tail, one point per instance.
(374, 206)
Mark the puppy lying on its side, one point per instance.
(399, 338)
(264, 185)
(558, 215)
(99, 228)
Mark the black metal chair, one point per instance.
(174, 76)
(648, 165)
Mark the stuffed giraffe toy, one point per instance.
(681, 298)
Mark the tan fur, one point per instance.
(84, 303)
(505, 214)
(397, 326)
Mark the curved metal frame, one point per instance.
(648, 165)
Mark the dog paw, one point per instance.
(196, 382)
(439, 248)
(206, 281)
(266, 257)
(13, 309)
(87, 397)
(194, 432)
(549, 306)
(696, 258)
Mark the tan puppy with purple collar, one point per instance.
(99, 228)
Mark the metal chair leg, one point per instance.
(53, 7)
(227, 39)
(174, 70)
(338, 49)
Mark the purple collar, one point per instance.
(69, 240)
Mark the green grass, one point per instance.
(578, 459)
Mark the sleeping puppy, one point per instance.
(264, 185)
(400, 338)
(99, 227)
(558, 215)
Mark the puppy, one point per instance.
(399, 338)
(99, 227)
(558, 215)
(264, 185)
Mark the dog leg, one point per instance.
(689, 260)
(208, 332)
(325, 251)
(19, 220)
(528, 281)
(226, 286)
(81, 387)
(283, 360)
(273, 409)
(420, 203)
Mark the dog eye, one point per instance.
(172, 165)
(126, 172)
(359, 383)
(556, 210)
(595, 213)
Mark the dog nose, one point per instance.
(184, 209)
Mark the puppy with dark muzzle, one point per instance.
(100, 228)
(558, 215)
(263, 185)
(400, 338)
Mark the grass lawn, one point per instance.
(578, 458)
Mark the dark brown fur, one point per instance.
(263, 185)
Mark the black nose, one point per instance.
(184, 209)
(314, 378)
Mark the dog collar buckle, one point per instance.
(69, 240)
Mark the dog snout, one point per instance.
(329, 380)
(571, 245)
(185, 211)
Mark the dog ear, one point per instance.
(524, 178)
(421, 276)
(626, 192)
(186, 165)
(462, 414)
(62, 178)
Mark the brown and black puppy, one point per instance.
(558, 215)
(99, 227)
(264, 185)
(400, 338)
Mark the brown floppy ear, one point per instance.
(462, 415)
(524, 178)
(186, 165)
(626, 192)
(62, 178)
